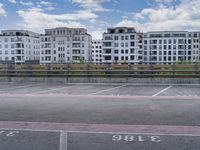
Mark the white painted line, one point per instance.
(63, 140)
(31, 130)
(106, 90)
(134, 84)
(135, 133)
(64, 134)
(51, 90)
(18, 87)
(162, 91)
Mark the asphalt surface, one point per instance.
(117, 104)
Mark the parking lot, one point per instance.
(71, 140)
(100, 89)
(56, 116)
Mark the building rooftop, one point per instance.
(19, 33)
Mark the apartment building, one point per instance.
(167, 47)
(122, 45)
(97, 51)
(19, 46)
(65, 45)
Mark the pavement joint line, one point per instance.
(63, 141)
(106, 90)
(163, 91)
(18, 87)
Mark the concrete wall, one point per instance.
(104, 80)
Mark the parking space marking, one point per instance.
(101, 128)
(162, 91)
(51, 90)
(63, 141)
(106, 90)
(18, 87)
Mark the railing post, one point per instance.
(48, 67)
(129, 68)
(173, 70)
(88, 70)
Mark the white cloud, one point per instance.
(27, 3)
(97, 35)
(2, 10)
(94, 5)
(47, 5)
(183, 16)
(125, 23)
(36, 18)
(12, 1)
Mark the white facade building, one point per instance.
(19, 46)
(167, 47)
(97, 51)
(65, 45)
(122, 45)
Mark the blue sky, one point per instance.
(97, 15)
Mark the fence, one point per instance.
(101, 71)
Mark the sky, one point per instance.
(98, 15)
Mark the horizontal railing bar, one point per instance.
(61, 71)
(100, 75)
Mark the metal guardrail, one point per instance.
(104, 71)
(101, 73)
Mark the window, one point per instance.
(116, 51)
(132, 57)
(116, 38)
(132, 44)
(174, 41)
(132, 51)
(116, 44)
(6, 45)
(132, 37)
(12, 39)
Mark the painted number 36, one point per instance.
(132, 138)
